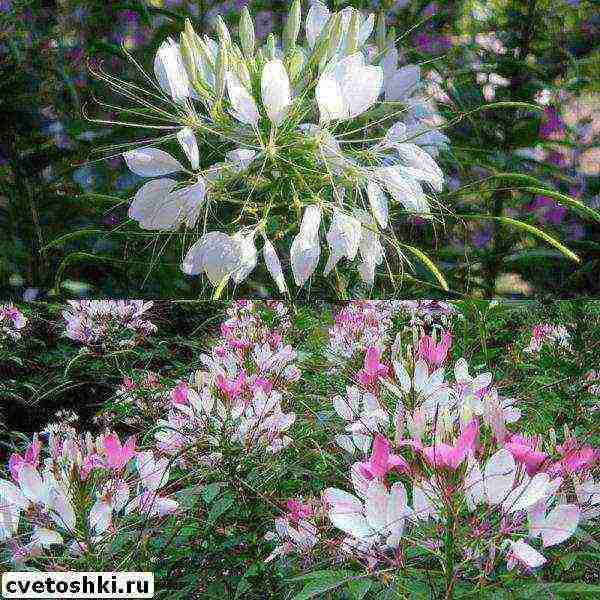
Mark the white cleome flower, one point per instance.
(266, 128)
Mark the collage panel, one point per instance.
(258, 449)
(187, 150)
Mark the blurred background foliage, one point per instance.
(63, 205)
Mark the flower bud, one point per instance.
(222, 31)
(352, 35)
(295, 64)
(335, 34)
(271, 47)
(246, 29)
(220, 71)
(292, 26)
(381, 31)
(188, 54)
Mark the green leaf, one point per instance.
(567, 201)
(320, 582)
(428, 263)
(220, 507)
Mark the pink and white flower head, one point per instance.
(364, 417)
(373, 369)
(433, 351)
(551, 335)
(49, 504)
(107, 322)
(295, 530)
(12, 322)
(359, 325)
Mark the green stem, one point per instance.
(449, 552)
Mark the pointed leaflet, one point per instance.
(275, 90)
(151, 162)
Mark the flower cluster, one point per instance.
(238, 396)
(75, 492)
(435, 467)
(107, 322)
(12, 321)
(550, 335)
(298, 127)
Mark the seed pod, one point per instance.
(352, 36)
(292, 26)
(247, 38)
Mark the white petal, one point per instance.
(170, 71)
(316, 19)
(397, 511)
(275, 90)
(330, 99)
(343, 408)
(240, 158)
(343, 237)
(527, 555)
(151, 208)
(188, 142)
(247, 255)
(362, 89)
(404, 189)
(527, 493)
(499, 476)
(345, 442)
(214, 253)
(378, 203)
(244, 107)
(274, 265)
(190, 200)
(100, 517)
(402, 84)
(376, 505)
(45, 537)
(31, 484)
(560, 524)
(151, 162)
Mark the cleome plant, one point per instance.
(323, 139)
